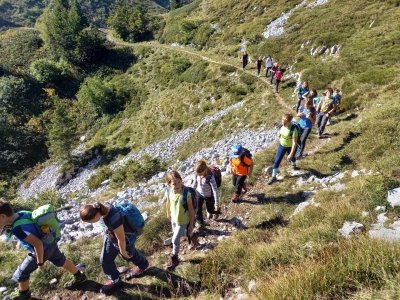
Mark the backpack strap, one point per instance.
(184, 198)
(23, 219)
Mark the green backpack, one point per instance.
(45, 218)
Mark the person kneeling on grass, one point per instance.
(288, 135)
(180, 211)
(30, 237)
(116, 241)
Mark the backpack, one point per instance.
(46, 221)
(216, 172)
(192, 191)
(293, 127)
(246, 153)
(133, 219)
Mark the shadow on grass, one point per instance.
(177, 286)
(289, 198)
(318, 173)
(271, 223)
(235, 222)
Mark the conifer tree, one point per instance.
(61, 133)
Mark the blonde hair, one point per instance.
(89, 211)
(288, 117)
(171, 176)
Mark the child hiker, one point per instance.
(241, 165)
(30, 236)
(119, 239)
(207, 191)
(180, 211)
(287, 144)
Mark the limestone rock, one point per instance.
(393, 197)
(351, 228)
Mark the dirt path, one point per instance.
(192, 52)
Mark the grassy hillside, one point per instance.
(166, 90)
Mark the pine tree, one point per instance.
(61, 133)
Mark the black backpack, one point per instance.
(246, 153)
(192, 191)
(216, 172)
(293, 127)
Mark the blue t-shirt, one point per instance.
(113, 219)
(336, 98)
(21, 232)
(304, 122)
(302, 91)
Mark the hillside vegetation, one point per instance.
(134, 94)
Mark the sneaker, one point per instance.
(209, 216)
(294, 167)
(78, 279)
(173, 262)
(136, 272)
(21, 296)
(235, 198)
(110, 286)
(272, 180)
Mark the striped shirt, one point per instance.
(206, 189)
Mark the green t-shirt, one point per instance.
(178, 213)
(286, 139)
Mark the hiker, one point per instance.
(307, 116)
(119, 238)
(241, 165)
(288, 136)
(325, 109)
(278, 77)
(206, 188)
(42, 247)
(259, 65)
(316, 98)
(302, 91)
(273, 70)
(245, 59)
(268, 65)
(180, 211)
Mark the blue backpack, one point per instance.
(293, 127)
(133, 219)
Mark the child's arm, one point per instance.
(37, 246)
(120, 235)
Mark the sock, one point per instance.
(274, 172)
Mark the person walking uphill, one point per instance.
(278, 78)
(259, 65)
(268, 65)
(241, 164)
(42, 247)
(120, 238)
(325, 109)
(206, 188)
(288, 135)
(180, 211)
(245, 59)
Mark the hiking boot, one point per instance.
(110, 286)
(294, 167)
(235, 198)
(78, 279)
(136, 272)
(272, 180)
(21, 296)
(173, 262)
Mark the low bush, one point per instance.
(101, 174)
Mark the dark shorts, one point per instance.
(29, 265)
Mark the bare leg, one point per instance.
(23, 286)
(70, 267)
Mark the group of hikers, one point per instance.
(184, 204)
(123, 223)
(273, 71)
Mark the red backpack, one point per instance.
(278, 75)
(216, 172)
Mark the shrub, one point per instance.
(95, 180)
(196, 73)
(45, 71)
(248, 79)
(137, 171)
(226, 69)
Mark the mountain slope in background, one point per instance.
(16, 13)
